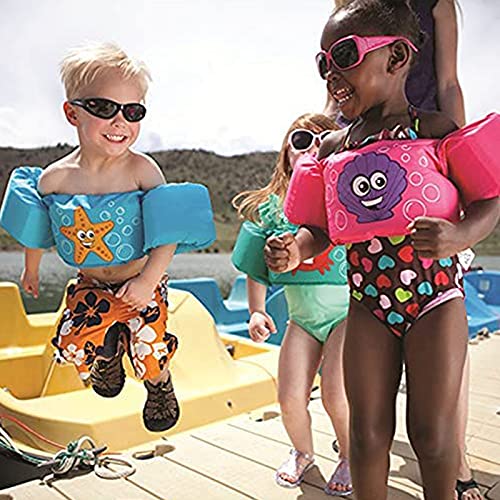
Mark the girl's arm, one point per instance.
(284, 253)
(261, 325)
(29, 276)
(437, 238)
(450, 97)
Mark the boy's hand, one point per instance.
(136, 292)
(260, 327)
(282, 253)
(29, 282)
(435, 238)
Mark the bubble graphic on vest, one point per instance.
(370, 186)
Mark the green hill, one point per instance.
(224, 176)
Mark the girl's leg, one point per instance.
(335, 402)
(435, 350)
(298, 364)
(372, 367)
(333, 388)
(464, 472)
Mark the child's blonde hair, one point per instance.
(247, 202)
(83, 65)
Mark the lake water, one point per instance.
(54, 274)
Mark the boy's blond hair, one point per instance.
(83, 65)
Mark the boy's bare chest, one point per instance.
(101, 183)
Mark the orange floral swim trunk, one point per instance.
(95, 322)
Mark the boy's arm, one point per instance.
(437, 238)
(450, 97)
(137, 292)
(147, 173)
(29, 276)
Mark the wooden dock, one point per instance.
(236, 459)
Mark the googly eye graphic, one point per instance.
(378, 180)
(81, 235)
(90, 234)
(360, 186)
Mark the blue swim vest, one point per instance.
(110, 229)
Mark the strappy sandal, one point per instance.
(463, 486)
(296, 466)
(340, 477)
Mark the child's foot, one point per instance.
(340, 483)
(291, 473)
(108, 376)
(161, 411)
(467, 490)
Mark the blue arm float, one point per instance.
(23, 214)
(178, 213)
(248, 253)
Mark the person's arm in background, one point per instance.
(450, 97)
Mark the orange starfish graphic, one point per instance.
(87, 236)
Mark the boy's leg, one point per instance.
(161, 410)
(435, 350)
(372, 368)
(299, 360)
(107, 374)
(89, 337)
(151, 348)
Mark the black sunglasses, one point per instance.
(106, 108)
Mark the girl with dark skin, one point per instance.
(432, 85)
(434, 349)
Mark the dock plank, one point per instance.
(34, 490)
(168, 479)
(237, 458)
(92, 486)
(241, 473)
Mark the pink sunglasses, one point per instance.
(349, 52)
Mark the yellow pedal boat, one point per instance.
(211, 384)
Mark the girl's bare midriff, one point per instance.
(115, 274)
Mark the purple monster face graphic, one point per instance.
(370, 186)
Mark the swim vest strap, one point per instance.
(23, 214)
(178, 213)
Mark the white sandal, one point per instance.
(296, 466)
(340, 477)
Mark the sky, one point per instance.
(228, 75)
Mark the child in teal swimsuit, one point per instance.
(315, 333)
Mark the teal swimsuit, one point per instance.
(316, 308)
